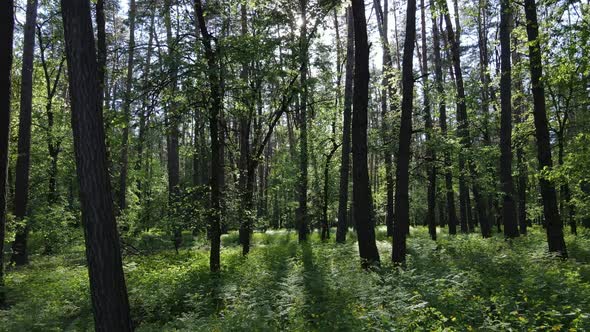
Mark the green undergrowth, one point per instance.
(458, 283)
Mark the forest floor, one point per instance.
(459, 283)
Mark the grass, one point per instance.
(459, 283)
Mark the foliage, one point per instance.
(460, 283)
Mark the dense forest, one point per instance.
(310, 165)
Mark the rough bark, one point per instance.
(345, 161)
(6, 39)
(552, 219)
(361, 191)
(402, 197)
(105, 270)
(21, 185)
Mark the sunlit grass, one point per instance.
(460, 282)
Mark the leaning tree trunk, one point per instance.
(361, 191)
(508, 209)
(552, 219)
(6, 38)
(402, 197)
(442, 110)
(103, 252)
(345, 163)
(21, 186)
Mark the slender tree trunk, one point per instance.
(105, 269)
(463, 133)
(6, 38)
(21, 187)
(361, 191)
(386, 89)
(216, 158)
(430, 153)
(345, 163)
(303, 57)
(508, 209)
(101, 46)
(402, 197)
(552, 219)
(172, 120)
(127, 110)
(438, 73)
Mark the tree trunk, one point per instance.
(172, 120)
(345, 163)
(402, 197)
(361, 191)
(552, 219)
(216, 158)
(6, 38)
(21, 187)
(386, 89)
(430, 153)
(303, 57)
(127, 110)
(101, 45)
(463, 133)
(105, 270)
(438, 73)
(508, 209)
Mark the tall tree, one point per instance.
(442, 118)
(6, 38)
(127, 110)
(172, 132)
(508, 208)
(361, 190)
(552, 219)
(402, 197)
(103, 253)
(430, 153)
(216, 162)
(464, 137)
(387, 89)
(21, 186)
(304, 59)
(345, 162)
(101, 47)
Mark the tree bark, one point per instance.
(442, 110)
(303, 162)
(345, 161)
(216, 162)
(105, 270)
(552, 219)
(463, 133)
(508, 208)
(361, 192)
(172, 120)
(402, 197)
(6, 39)
(127, 110)
(430, 153)
(21, 186)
